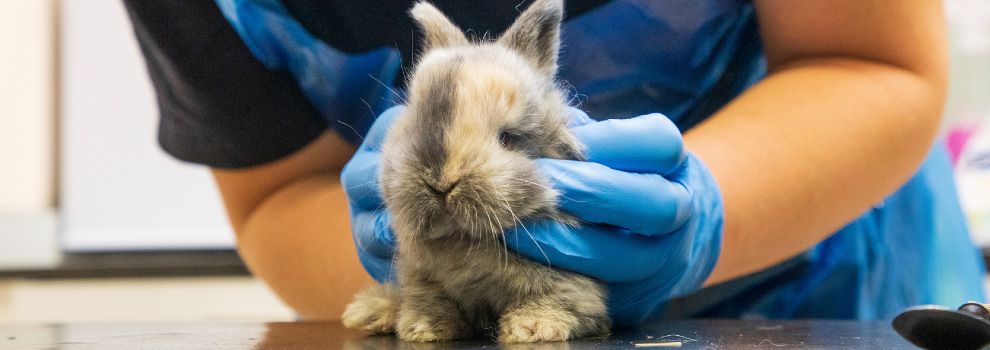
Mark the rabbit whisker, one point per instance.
(396, 94)
(518, 221)
(501, 227)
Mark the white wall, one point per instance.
(26, 106)
(27, 134)
(119, 190)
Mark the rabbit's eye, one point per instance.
(508, 139)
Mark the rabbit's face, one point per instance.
(460, 159)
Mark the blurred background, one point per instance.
(98, 224)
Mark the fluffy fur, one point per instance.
(457, 170)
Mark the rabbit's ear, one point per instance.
(438, 31)
(536, 34)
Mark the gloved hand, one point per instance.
(652, 215)
(369, 219)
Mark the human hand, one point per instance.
(651, 213)
(370, 221)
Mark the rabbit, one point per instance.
(457, 169)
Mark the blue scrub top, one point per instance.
(685, 59)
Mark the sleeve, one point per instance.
(218, 105)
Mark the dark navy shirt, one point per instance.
(220, 107)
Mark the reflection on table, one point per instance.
(684, 334)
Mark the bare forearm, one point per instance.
(291, 220)
(298, 241)
(809, 149)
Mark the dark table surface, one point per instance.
(692, 334)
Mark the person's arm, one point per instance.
(847, 114)
(291, 220)
(223, 108)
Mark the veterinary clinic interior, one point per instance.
(551, 174)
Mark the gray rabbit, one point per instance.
(457, 170)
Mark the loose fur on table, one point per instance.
(457, 170)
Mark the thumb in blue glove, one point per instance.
(652, 216)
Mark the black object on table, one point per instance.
(936, 327)
(686, 334)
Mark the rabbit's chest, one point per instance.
(481, 275)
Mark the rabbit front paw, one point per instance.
(421, 328)
(374, 310)
(529, 328)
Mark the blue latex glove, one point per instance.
(369, 219)
(652, 214)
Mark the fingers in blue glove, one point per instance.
(375, 241)
(646, 204)
(360, 180)
(577, 117)
(360, 176)
(646, 144)
(592, 249)
(376, 237)
(369, 219)
(376, 135)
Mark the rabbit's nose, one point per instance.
(442, 191)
